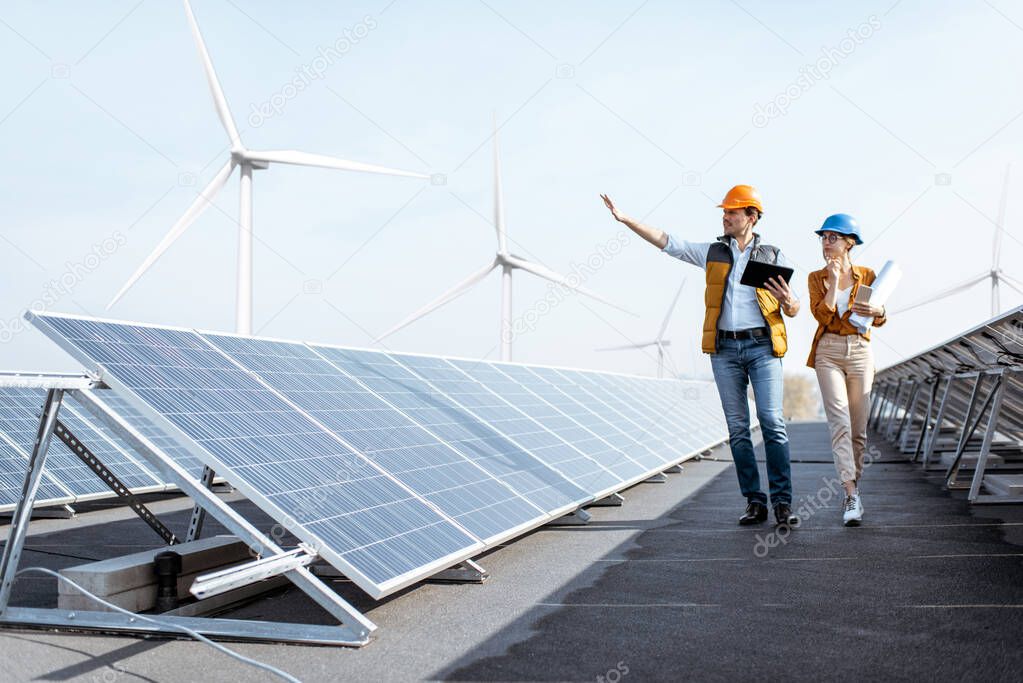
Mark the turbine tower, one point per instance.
(508, 263)
(659, 341)
(246, 160)
(996, 274)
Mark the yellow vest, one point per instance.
(719, 265)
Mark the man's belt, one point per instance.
(751, 333)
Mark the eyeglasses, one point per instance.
(831, 237)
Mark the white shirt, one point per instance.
(739, 310)
(842, 302)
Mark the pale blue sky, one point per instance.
(105, 117)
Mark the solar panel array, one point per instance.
(66, 479)
(926, 402)
(394, 466)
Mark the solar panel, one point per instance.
(135, 474)
(592, 464)
(376, 531)
(645, 409)
(648, 423)
(431, 392)
(682, 407)
(460, 488)
(13, 463)
(150, 431)
(625, 449)
(19, 422)
(703, 398)
(967, 388)
(637, 444)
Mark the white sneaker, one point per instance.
(852, 510)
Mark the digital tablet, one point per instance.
(757, 274)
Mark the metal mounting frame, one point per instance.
(939, 419)
(353, 628)
(83, 452)
(466, 571)
(970, 426)
(198, 512)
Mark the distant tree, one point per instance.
(801, 400)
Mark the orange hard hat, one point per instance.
(741, 196)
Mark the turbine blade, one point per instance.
(290, 156)
(502, 238)
(948, 292)
(444, 298)
(194, 210)
(671, 309)
(557, 278)
(219, 101)
(1012, 282)
(996, 256)
(625, 347)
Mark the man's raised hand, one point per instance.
(610, 205)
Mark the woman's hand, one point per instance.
(610, 205)
(868, 310)
(780, 290)
(833, 271)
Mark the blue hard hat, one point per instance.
(843, 224)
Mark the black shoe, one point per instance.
(783, 515)
(755, 514)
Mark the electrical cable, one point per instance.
(163, 624)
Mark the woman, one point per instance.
(841, 355)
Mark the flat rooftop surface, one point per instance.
(666, 587)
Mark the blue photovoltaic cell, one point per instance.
(677, 423)
(684, 422)
(703, 397)
(596, 473)
(645, 427)
(432, 408)
(325, 494)
(658, 419)
(625, 453)
(530, 475)
(20, 409)
(459, 488)
(627, 436)
(691, 404)
(118, 457)
(167, 445)
(13, 466)
(19, 421)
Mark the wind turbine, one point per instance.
(996, 274)
(507, 262)
(659, 341)
(246, 160)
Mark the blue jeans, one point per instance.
(737, 363)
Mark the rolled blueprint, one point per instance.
(881, 289)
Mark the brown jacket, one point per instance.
(828, 320)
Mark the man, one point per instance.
(744, 332)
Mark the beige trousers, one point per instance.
(845, 371)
